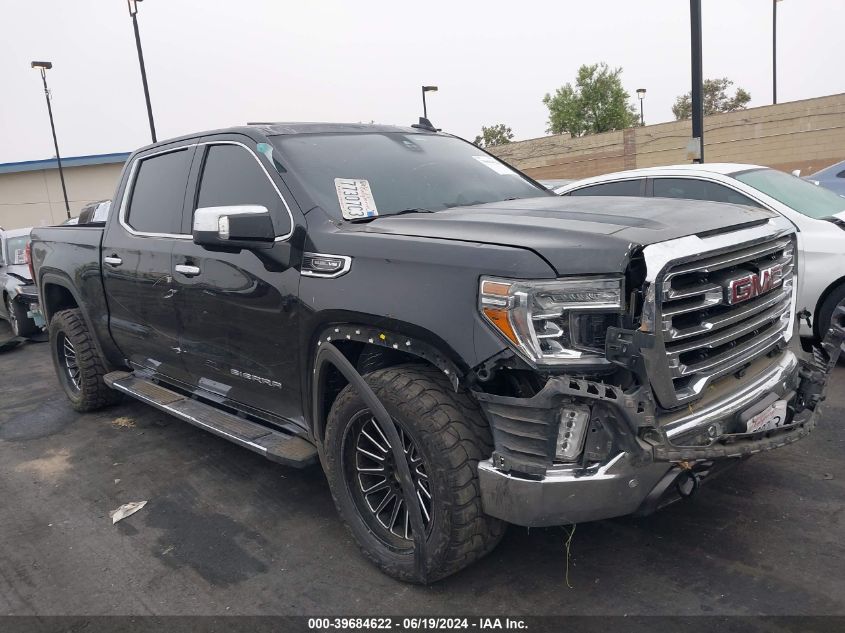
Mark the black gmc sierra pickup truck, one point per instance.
(458, 348)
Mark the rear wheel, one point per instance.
(443, 437)
(78, 365)
(21, 324)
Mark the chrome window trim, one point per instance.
(130, 183)
(347, 264)
(127, 192)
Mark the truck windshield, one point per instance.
(806, 198)
(362, 175)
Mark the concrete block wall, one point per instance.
(807, 135)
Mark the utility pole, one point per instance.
(697, 78)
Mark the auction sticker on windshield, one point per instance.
(492, 163)
(769, 418)
(355, 198)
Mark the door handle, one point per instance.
(112, 260)
(187, 270)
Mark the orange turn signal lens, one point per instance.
(499, 318)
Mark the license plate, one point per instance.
(769, 418)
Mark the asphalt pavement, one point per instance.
(224, 531)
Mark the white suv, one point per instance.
(817, 213)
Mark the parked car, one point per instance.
(19, 296)
(818, 214)
(832, 178)
(458, 347)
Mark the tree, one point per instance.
(716, 99)
(597, 103)
(498, 134)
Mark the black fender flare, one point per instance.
(378, 337)
(63, 281)
(328, 354)
(391, 339)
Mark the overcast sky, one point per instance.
(218, 63)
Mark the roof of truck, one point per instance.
(280, 128)
(333, 128)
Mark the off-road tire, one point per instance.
(21, 324)
(93, 393)
(836, 297)
(452, 436)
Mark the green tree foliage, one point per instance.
(597, 103)
(716, 99)
(498, 134)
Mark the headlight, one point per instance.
(553, 322)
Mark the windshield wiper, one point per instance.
(402, 212)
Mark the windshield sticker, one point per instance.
(20, 256)
(492, 163)
(356, 198)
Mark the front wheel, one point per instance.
(21, 324)
(443, 437)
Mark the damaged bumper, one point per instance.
(633, 460)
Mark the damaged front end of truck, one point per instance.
(701, 370)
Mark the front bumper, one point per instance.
(631, 457)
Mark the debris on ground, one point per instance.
(828, 476)
(127, 509)
(123, 422)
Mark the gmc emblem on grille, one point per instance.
(751, 285)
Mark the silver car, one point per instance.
(20, 296)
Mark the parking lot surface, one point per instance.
(225, 531)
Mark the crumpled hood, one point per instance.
(576, 235)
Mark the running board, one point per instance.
(277, 446)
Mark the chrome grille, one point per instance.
(704, 335)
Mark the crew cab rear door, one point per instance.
(136, 259)
(239, 310)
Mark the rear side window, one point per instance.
(619, 188)
(159, 192)
(694, 189)
(233, 176)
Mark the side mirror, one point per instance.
(796, 172)
(237, 226)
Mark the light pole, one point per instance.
(641, 95)
(697, 82)
(44, 67)
(133, 11)
(424, 90)
(775, 51)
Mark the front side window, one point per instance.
(806, 198)
(619, 188)
(233, 176)
(397, 171)
(158, 193)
